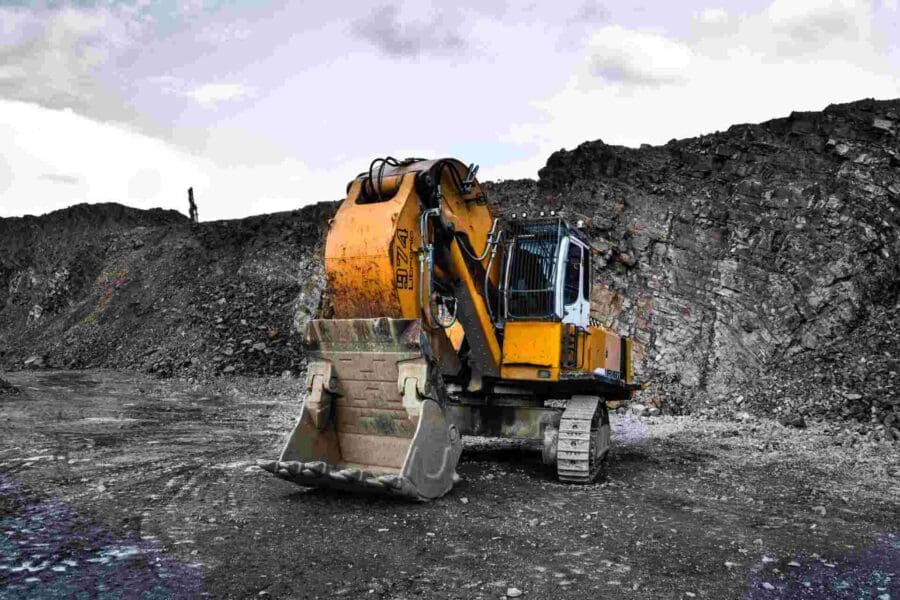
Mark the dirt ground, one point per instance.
(115, 484)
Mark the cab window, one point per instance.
(532, 274)
(572, 275)
(586, 277)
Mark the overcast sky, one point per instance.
(264, 107)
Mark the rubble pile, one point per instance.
(159, 296)
(248, 330)
(855, 378)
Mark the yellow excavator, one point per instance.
(439, 320)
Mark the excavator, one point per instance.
(439, 320)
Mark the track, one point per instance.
(584, 440)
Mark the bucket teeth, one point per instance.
(392, 481)
(407, 488)
(268, 465)
(318, 467)
(351, 475)
(373, 482)
(311, 473)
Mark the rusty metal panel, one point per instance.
(596, 341)
(629, 369)
(613, 360)
(371, 265)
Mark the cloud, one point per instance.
(104, 162)
(218, 34)
(635, 86)
(590, 12)
(145, 184)
(102, 60)
(52, 57)
(206, 96)
(397, 36)
(617, 54)
(60, 178)
(6, 176)
(713, 16)
(98, 161)
(209, 95)
(804, 26)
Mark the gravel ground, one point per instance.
(114, 483)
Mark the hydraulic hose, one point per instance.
(487, 274)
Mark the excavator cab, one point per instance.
(547, 275)
(439, 320)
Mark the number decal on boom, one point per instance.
(402, 275)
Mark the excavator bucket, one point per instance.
(372, 420)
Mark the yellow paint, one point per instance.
(372, 269)
(371, 263)
(527, 373)
(456, 335)
(372, 249)
(529, 346)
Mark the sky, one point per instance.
(267, 106)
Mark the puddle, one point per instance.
(47, 550)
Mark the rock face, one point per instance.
(734, 255)
(757, 267)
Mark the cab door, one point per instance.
(574, 288)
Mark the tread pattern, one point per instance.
(579, 434)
